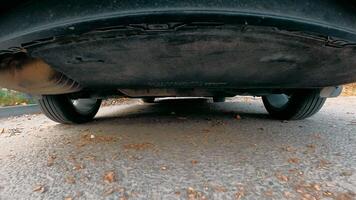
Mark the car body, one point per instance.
(148, 49)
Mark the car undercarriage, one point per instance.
(293, 54)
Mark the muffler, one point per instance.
(34, 76)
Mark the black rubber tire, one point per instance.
(61, 109)
(148, 99)
(218, 99)
(300, 105)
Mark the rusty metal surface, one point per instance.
(32, 75)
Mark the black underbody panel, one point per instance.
(238, 44)
(176, 55)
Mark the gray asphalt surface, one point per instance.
(182, 149)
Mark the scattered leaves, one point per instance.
(109, 177)
(89, 138)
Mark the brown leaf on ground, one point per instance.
(323, 163)
(345, 196)
(193, 194)
(109, 177)
(78, 166)
(163, 168)
(268, 193)
(2, 130)
(311, 146)
(281, 177)
(68, 198)
(50, 160)
(288, 149)
(240, 194)
(109, 191)
(220, 189)
(307, 196)
(287, 194)
(70, 180)
(39, 188)
(294, 160)
(328, 194)
(139, 146)
(194, 162)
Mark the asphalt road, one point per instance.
(182, 149)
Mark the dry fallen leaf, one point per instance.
(50, 160)
(139, 146)
(109, 177)
(239, 195)
(70, 180)
(288, 149)
(293, 160)
(109, 191)
(39, 188)
(68, 198)
(311, 146)
(164, 168)
(281, 177)
(194, 162)
(316, 186)
(268, 193)
(78, 166)
(345, 196)
(220, 189)
(2, 130)
(307, 196)
(328, 194)
(323, 163)
(287, 194)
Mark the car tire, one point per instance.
(294, 106)
(62, 109)
(148, 99)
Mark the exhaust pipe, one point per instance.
(34, 76)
